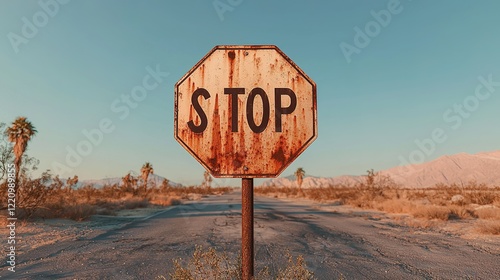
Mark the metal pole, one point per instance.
(247, 254)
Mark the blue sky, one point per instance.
(412, 76)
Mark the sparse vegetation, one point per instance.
(146, 169)
(210, 264)
(441, 203)
(46, 197)
(299, 174)
(489, 227)
(50, 197)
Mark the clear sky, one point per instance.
(389, 73)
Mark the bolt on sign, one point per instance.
(245, 111)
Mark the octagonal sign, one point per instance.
(245, 111)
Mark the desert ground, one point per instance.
(336, 241)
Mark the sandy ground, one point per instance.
(31, 235)
(45, 232)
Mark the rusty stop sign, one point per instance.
(245, 111)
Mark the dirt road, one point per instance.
(343, 244)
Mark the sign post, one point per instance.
(245, 112)
(247, 254)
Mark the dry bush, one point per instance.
(78, 212)
(113, 191)
(490, 213)
(108, 204)
(481, 197)
(431, 212)
(135, 202)
(207, 264)
(165, 200)
(472, 193)
(360, 196)
(496, 202)
(382, 194)
(295, 270)
(32, 194)
(210, 264)
(396, 205)
(462, 212)
(489, 227)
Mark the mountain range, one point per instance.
(152, 179)
(459, 169)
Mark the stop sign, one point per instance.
(245, 111)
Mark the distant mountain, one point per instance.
(313, 182)
(458, 169)
(152, 179)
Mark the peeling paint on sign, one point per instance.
(245, 111)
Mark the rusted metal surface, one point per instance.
(245, 111)
(247, 246)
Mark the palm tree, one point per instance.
(20, 133)
(146, 169)
(299, 174)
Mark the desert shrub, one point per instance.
(295, 270)
(458, 199)
(32, 194)
(490, 213)
(396, 205)
(489, 227)
(135, 202)
(210, 264)
(89, 193)
(113, 191)
(165, 200)
(76, 212)
(79, 212)
(482, 197)
(207, 264)
(431, 212)
(461, 212)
